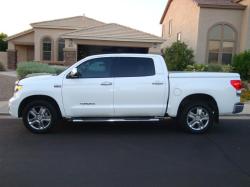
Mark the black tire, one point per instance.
(50, 113)
(201, 125)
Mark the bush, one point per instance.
(227, 68)
(2, 68)
(26, 68)
(178, 56)
(196, 68)
(209, 68)
(245, 96)
(241, 64)
(214, 68)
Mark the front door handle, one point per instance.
(106, 84)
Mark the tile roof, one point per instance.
(76, 22)
(220, 3)
(113, 32)
(19, 34)
(223, 4)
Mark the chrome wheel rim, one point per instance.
(198, 118)
(39, 117)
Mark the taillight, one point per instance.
(237, 84)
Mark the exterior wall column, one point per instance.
(11, 56)
(70, 52)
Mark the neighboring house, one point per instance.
(214, 29)
(64, 41)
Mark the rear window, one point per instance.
(133, 67)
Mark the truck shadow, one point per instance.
(164, 127)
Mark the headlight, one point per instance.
(18, 87)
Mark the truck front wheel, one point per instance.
(196, 118)
(39, 116)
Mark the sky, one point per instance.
(16, 15)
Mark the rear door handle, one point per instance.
(157, 83)
(106, 84)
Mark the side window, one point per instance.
(133, 67)
(95, 68)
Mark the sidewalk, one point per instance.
(4, 109)
(9, 73)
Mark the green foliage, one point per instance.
(241, 64)
(209, 68)
(178, 56)
(3, 44)
(2, 68)
(27, 68)
(214, 68)
(245, 95)
(196, 68)
(227, 68)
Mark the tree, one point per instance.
(3, 44)
(241, 64)
(178, 56)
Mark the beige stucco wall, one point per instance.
(3, 58)
(209, 17)
(245, 33)
(54, 34)
(185, 16)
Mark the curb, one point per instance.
(4, 114)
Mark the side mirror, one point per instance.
(73, 74)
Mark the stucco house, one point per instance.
(64, 41)
(214, 29)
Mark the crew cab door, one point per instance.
(140, 87)
(91, 94)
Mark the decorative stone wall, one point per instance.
(12, 59)
(70, 56)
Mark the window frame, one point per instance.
(221, 42)
(110, 68)
(42, 49)
(114, 74)
(179, 36)
(170, 27)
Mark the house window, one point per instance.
(179, 36)
(61, 45)
(47, 49)
(221, 44)
(170, 27)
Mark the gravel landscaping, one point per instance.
(7, 84)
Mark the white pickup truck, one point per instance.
(126, 87)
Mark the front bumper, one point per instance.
(13, 106)
(238, 108)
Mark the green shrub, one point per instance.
(2, 68)
(227, 68)
(245, 95)
(209, 68)
(59, 69)
(241, 64)
(178, 56)
(214, 68)
(196, 68)
(27, 68)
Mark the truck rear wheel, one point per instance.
(197, 117)
(39, 116)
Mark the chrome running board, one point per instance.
(80, 120)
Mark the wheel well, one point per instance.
(201, 97)
(37, 98)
